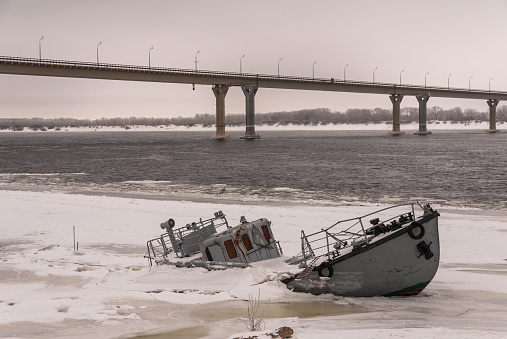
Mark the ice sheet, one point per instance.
(106, 288)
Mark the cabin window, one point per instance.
(258, 237)
(208, 254)
(267, 235)
(246, 241)
(231, 251)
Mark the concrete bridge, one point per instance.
(249, 83)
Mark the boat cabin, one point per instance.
(245, 243)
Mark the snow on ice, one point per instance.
(106, 288)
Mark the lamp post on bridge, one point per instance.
(240, 65)
(469, 82)
(149, 56)
(374, 74)
(425, 78)
(344, 73)
(448, 80)
(279, 66)
(313, 69)
(400, 74)
(100, 43)
(490, 84)
(40, 49)
(195, 60)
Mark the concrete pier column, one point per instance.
(396, 100)
(220, 91)
(492, 103)
(250, 92)
(423, 100)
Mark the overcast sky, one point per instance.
(460, 37)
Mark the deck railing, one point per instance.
(354, 232)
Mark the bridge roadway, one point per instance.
(221, 81)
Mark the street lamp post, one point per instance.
(240, 64)
(469, 81)
(344, 73)
(40, 48)
(313, 69)
(279, 66)
(100, 43)
(490, 84)
(425, 78)
(149, 56)
(448, 80)
(195, 60)
(374, 73)
(400, 74)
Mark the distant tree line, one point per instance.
(302, 117)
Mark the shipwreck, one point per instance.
(383, 253)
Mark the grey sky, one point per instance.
(459, 37)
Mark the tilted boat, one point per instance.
(394, 255)
(233, 246)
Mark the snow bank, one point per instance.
(107, 289)
(412, 127)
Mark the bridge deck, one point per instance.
(75, 69)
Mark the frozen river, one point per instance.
(107, 290)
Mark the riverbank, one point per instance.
(107, 289)
(408, 127)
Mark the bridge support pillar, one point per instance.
(396, 100)
(492, 103)
(423, 100)
(250, 92)
(220, 91)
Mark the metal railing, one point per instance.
(183, 241)
(353, 234)
(157, 249)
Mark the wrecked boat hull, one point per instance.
(233, 247)
(401, 263)
(398, 254)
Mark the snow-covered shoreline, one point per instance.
(411, 127)
(106, 288)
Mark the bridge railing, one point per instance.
(239, 76)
